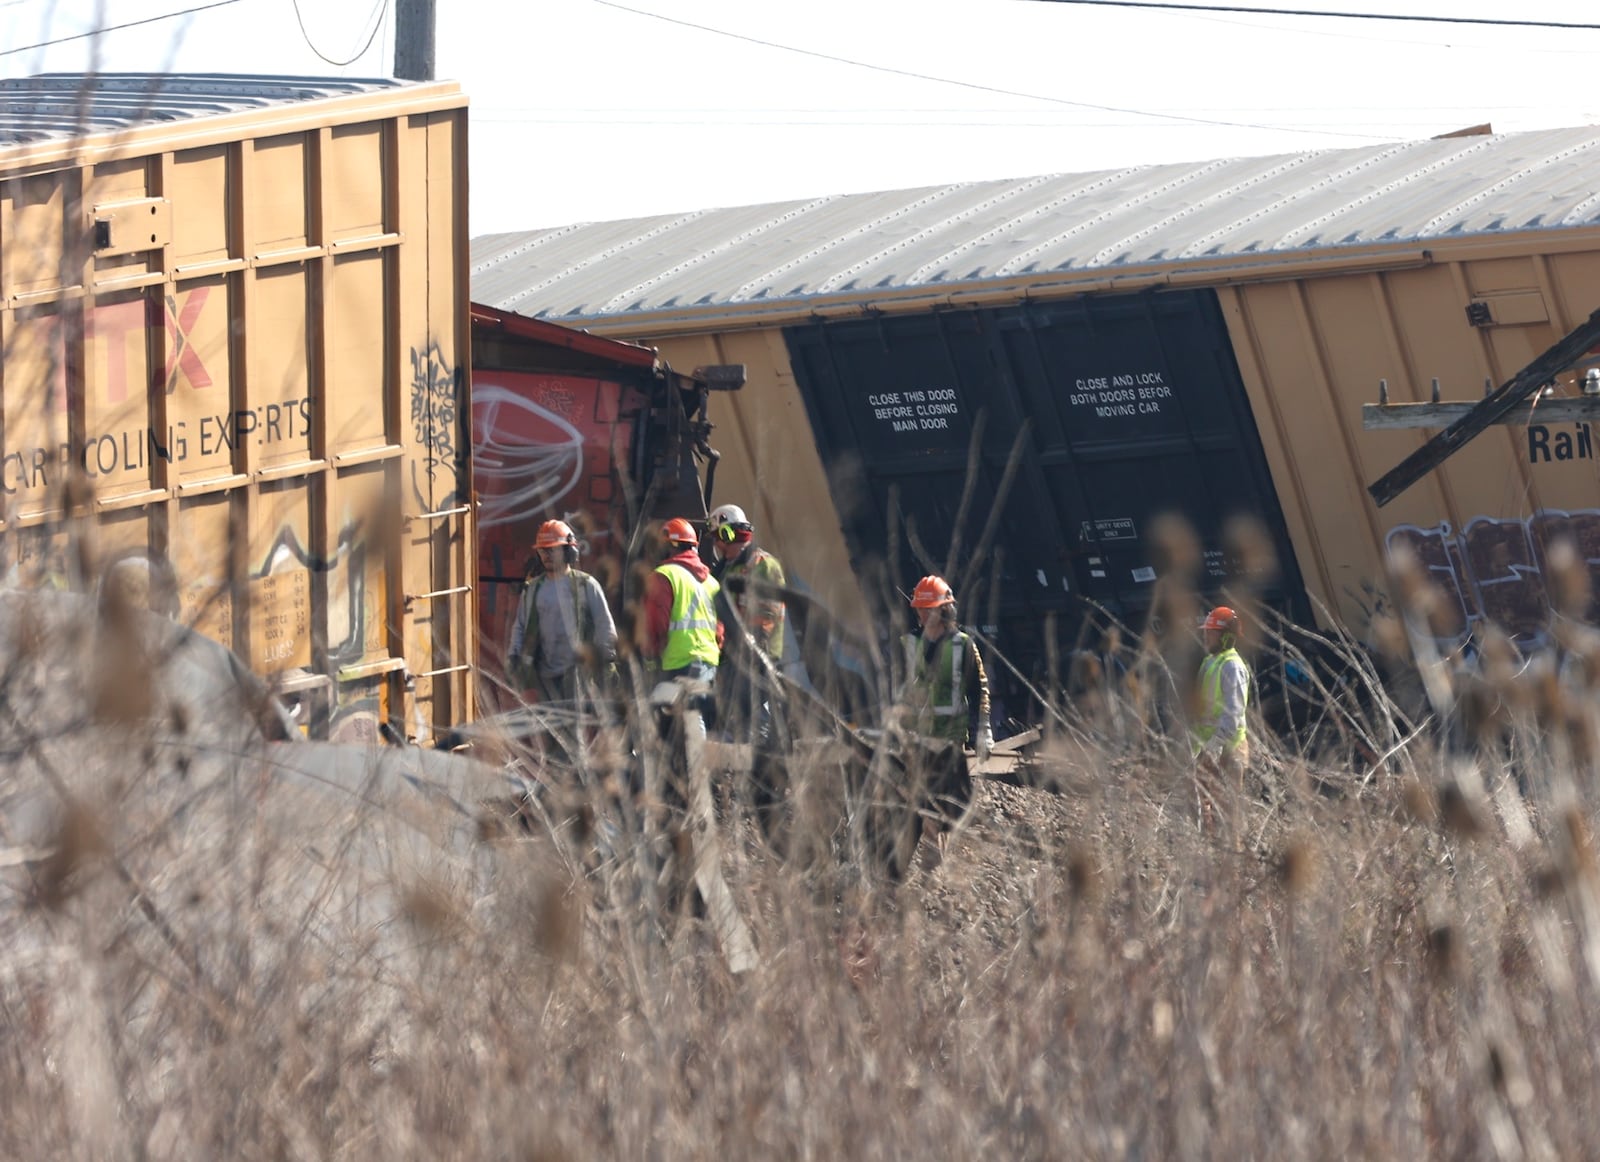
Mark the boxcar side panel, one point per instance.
(770, 466)
(1133, 409)
(226, 364)
(1483, 522)
(546, 447)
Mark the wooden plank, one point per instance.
(1491, 410)
(732, 932)
(1378, 417)
(997, 765)
(1016, 742)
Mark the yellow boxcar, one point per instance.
(235, 325)
(1198, 338)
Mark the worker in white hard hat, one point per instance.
(750, 699)
(563, 628)
(739, 557)
(752, 580)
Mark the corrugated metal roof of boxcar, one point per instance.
(65, 105)
(993, 231)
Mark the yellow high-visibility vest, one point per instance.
(935, 692)
(1211, 697)
(692, 628)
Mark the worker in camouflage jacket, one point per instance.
(751, 580)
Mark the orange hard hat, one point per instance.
(932, 592)
(679, 531)
(553, 534)
(1222, 618)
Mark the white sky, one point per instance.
(584, 110)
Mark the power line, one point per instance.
(379, 9)
(1392, 40)
(117, 27)
(1495, 21)
(853, 110)
(858, 123)
(970, 84)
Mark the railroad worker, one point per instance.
(683, 638)
(946, 691)
(563, 629)
(1218, 738)
(945, 699)
(750, 577)
(738, 556)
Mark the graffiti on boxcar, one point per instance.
(436, 390)
(347, 620)
(517, 472)
(1494, 569)
(545, 445)
(279, 588)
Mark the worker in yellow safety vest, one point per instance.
(945, 680)
(1219, 732)
(683, 636)
(1218, 735)
(945, 684)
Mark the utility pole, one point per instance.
(413, 39)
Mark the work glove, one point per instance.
(985, 743)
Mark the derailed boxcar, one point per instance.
(570, 426)
(235, 335)
(1269, 296)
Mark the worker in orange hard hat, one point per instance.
(945, 697)
(563, 628)
(1219, 737)
(683, 636)
(946, 688)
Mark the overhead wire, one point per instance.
(842, 110)
(379, 10)
(118, 27)
(844, 120)
(1317, 31)
(1176, 6)
(1175, 117)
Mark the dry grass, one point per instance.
(204, 957)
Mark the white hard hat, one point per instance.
(727, 514)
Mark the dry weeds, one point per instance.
(209, 955)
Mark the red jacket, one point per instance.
(658, 602)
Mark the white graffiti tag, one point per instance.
(516, 477)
